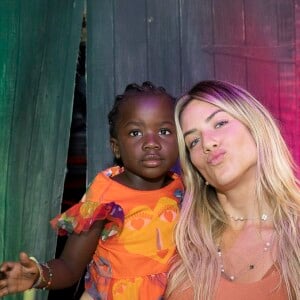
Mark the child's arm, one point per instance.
(65, 271)
(76, 255)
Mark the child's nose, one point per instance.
(151, 142)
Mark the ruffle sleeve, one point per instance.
(83, 215)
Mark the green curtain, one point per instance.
(39, 42)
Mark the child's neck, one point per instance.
(139, 183)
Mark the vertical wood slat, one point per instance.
(130, 49)
(287, 76)
(8, 71)
(196, 35)
(46, 36)
(228, 18)
(297, 84)
(163, 44)
(262, 32)
(229, 29)
(19, 172)
(100, 83)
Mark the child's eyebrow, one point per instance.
(132, 123)
(164, 122)
(206, 120)
(168, 123)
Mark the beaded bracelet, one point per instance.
(41, 274)
(50, 274)
(41, 277)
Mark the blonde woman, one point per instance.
(239, 235)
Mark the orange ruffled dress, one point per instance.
(136, 245)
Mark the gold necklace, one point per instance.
(249, 267)
(263, 217)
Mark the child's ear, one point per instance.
(114, 145)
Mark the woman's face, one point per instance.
(220, 146)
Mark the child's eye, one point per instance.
(135, 133)
(164, 131)
(221, 123)
(194, 142)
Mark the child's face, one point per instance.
(146, 137)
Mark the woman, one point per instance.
(238, 236)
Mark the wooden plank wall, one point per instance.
(126, 43)
(176, 43)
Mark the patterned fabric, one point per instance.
(136, 245)
(81, 216)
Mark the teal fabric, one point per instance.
(39, 41)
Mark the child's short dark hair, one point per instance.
(133, 90)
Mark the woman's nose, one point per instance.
(209, 142)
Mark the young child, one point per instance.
(123, 226)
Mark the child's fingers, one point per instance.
(3, 291)
(2, 275)
(26, 261)
(6, 266)
(17, 276)
(3, 284)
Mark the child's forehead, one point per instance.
(147, 109)
(150, 102)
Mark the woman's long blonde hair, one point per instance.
(202, 219)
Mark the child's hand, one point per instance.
(18, 276)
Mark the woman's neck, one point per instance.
(242, 206)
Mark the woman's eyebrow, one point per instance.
(206, 120)
(188, 132)
(213, 114)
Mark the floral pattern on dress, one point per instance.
(83, 215)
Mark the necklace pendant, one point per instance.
(264, 217)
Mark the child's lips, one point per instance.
(152, 160)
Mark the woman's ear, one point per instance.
(114, 145)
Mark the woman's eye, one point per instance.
(135, 133)
(194, 142)
(221, 123)
(164, 131)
